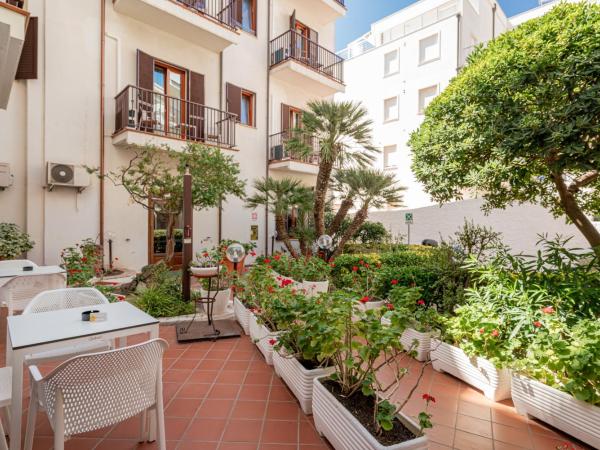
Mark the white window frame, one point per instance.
(389, 166)
(420, 107)
(396, 52)
(397, 115)
(438, 35)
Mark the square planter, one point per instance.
(242, 315)
(345, 432)
(261, 336)
(314, 288)
(299, 379)
(559, 409)
(477, 372)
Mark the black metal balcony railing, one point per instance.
(17, 3)
(143, 110)
(293, 45)
(222, 11)
(279, 149)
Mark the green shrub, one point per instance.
(161, 302)
(13, 241)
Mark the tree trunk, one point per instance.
(359, 218)
(574, 212)
(283, 235)
(321, 188)
(170, 236)
(341, 214)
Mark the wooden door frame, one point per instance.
(183, 96)
(153, 258)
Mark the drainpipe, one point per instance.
(102, 125)
(267, 124)
(494, 20)
(220, 208)
(458, 34)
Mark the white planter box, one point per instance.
(221, 300)
(477, 372)
(559, 409)
(313, 288)
(261, 337)
(204, 272)
(423, 342)
(371, 305)
(345, 432)
(299, 379)
(242, 315)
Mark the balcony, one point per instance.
(13, 25)
(329, 10)
(208, 23)
(143, 117)
(297, 60)
(282, 159)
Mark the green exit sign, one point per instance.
(408, 217)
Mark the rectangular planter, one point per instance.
(408, 337)
(345, 432)
(261, 336)
(477, 372)
(559, 409)
(298, 379)
(242, 315)
(314, 288)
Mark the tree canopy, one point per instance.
(521, 121)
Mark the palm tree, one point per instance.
(280, 196)
(344, 133)
(346, 183)
(374, 189)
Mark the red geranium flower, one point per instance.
(84, 259)
(481, 330)
(354, 269)
(537, 324)
(252, 253)
(267, 261)
(365, 299)
(361, 262)
(277, 257)
(495, 333)
(389, 306)
(286, 282)
(205, 254)
(332, 264)
(272, 341)
(421, 302)
(271, 290)
(394, 282)
(548, 310)
(366, 265)
(429, 398)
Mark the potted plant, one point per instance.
(283, 267)
(424, 319)
(206, 263)
(13, 241)
(246, 290)
(315, 275)
(248, 247)
(351, 407)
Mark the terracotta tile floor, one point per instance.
(223, 396)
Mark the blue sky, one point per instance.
(361, 13)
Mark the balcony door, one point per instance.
(169, 105)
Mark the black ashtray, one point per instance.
(85, 315)
(27, 268)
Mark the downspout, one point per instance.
(458, 28)
(494, 20)
(102, 162)
(220, 208)
(268, 118)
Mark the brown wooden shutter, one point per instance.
(144, 100)
(234, 100)
(145, 70)
(27, 69)
(285, 117)
(237, 12)
(313, 48)
(313, 36)
(196, 113)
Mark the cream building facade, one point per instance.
(116, 74)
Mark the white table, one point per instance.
(34, 333)
(8, 274)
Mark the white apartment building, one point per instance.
(403, 62)
(99, 78)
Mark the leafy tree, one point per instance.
(521, 121)
(154, 179)
(374, 189)
(280, 196)
(344, 133)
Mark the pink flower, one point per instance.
(429, 398)
(495, 333)
(548, 310)
(421, 302)
(394, 282)
(365, 299)
(537, 324)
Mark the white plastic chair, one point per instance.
(16, 264)
(19, 291)
(98, 390)
(5, 399)
(66, 299)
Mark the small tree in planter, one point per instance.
(83, 262)
(13, 241)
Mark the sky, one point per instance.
(361, 13)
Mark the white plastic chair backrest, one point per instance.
(18, 292)
(101, 389)
(16, 264)
(65, 299)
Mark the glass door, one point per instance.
(169, 82)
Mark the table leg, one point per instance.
(16, 407)
(153, 334)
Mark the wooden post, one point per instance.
(187, 236)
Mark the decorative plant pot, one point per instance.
(204, 272)
(221, 300)
(261, 336)
(557, 408)
(423, 343)
(477, 372)
(299, 379)
(242, 315)
(345, 432)
(313, 288)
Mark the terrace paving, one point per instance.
(223, 396)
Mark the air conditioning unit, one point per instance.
(68, 175)
(6, 178)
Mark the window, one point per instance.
(425, 96)
(390, 109)
(247, 109)
(389, 156)
(248, 21)
(390, 63)
(169, 107)
(429, 49)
